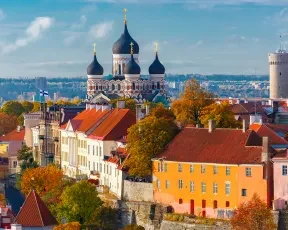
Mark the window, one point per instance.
(100, 151)
(192, 186)
(244, 192)
(158, 183)
(215, 188)
(100, 167)
(180, 201)
(215, 204)
(14, 164)
(249, 172)
(89, 165)
(180, 184)
(227, 204)
(203, 187)
(284, 170)
(180, 168)
(227, 188)
(167, 184)
(227, 171)
(88, 149)
(191, 168)
(203, 168)
(215, 169)
(93, 149)
(94, 166)
(159, 167)
(104, 167)
(97, 151)
(165, 167)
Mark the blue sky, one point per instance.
(55, 37)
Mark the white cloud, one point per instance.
(33, 32)
(54, 63)
(82, 22)
(88, 8)
(69, 40)
(149, 47)
(2, 15)
(101, 30)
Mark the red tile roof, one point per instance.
(34, 213)
(223, 146)
(14, 136)
(270, 130)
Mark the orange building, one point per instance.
(209, 172)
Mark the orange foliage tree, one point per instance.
(7, 123)
(43, 180)
(253, 215)
(68, 226)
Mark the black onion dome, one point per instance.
(95, 68)
(132, 67)
(156, 67)
(122, 45)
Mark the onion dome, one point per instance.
(156, 67)
(95, 68)
(132, 67)
(122, 45)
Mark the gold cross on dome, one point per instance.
(131, 44)
(156, 47)
(125, 14)
(94, 45)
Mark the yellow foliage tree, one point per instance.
(68, 226)
(188, 107)
(222, 115)
(42, 180)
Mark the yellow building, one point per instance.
(209, 172)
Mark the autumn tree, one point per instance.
(7, 123)
(129, 103)
(78, 203)
(253, 215)
(27, 106)
(104, 217)
(36, 106)
(42, 179)
(160, 111)
(222, 115)
(134, 227)
(12, 108)
(145, 139)
(68, 226)
(188, 108)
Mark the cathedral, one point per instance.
(127, 81)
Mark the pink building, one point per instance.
(280, 170)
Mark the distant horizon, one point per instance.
(199, 36)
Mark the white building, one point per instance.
(88, 140)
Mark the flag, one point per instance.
(43, 93)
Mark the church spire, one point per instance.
(125, 15)
(94, 45)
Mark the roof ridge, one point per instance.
(275, 133)
(21, 208)
(37, 204)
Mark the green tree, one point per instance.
(221, 113)
(189, 106)
(20, 119)
(145, 139)
(36, 106)
(105, 218)
(25, 155)
(129, 103)
(78, 203)
(253, 215)
(27, 106)
(134, 227)
(7, 123)
(13, 108)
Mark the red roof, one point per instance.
(14, 136)
(223, 146)
(271, 131)
(34, 213)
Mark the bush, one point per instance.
(134, 227)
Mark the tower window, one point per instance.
(119, 69)
(158, 85)
(133, 86)
(113, 87)
(119, 87)
(280, 73)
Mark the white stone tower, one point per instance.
(278, 65)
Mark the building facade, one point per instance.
(209, 172)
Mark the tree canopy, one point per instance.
(160, 111)
(12, 108)
(189, 106)
(27, 106)
(222, 115)
(105, 217)
(134, 227)
(129, 103)
(253, 215)
(68, 226)
(7, 123)
(78, 203)
(145, 139)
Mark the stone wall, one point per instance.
(137, 191)
(170, 225)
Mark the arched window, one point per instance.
(119, 69)
(119, 87)
(158, 85)
(153, 85)
(96, 87)
(133, 86)
(113, 87)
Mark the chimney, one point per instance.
(244, 126)
(98, 107)
(18, 129)
(147, 110)
(121, 104)
(105, 107)
(265, 149)
(138, 112)
(211, 125)
(16, 227)
(87, 106)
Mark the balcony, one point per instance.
(41, 137)
(56, 139)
